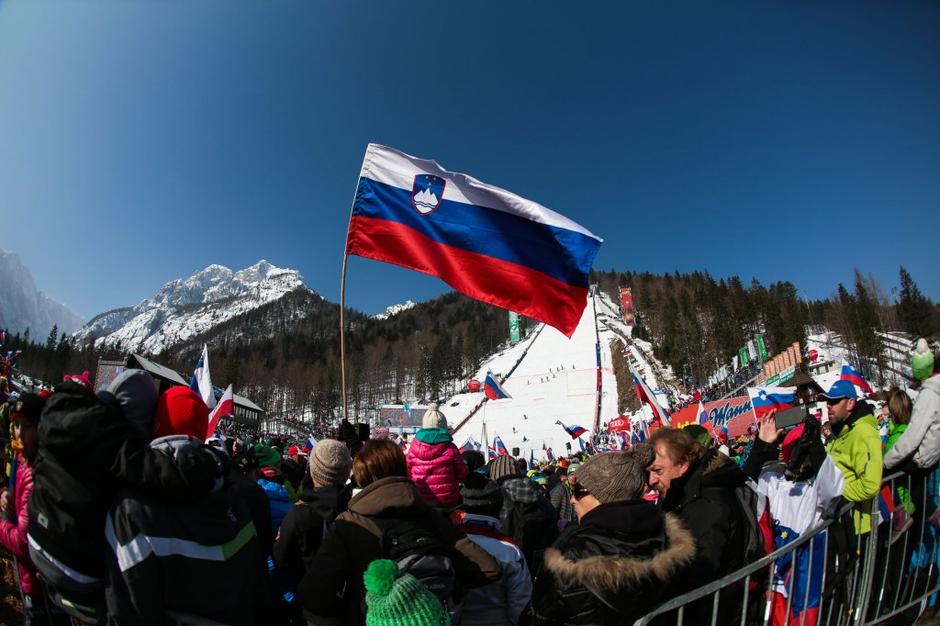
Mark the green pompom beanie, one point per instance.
(922, 360)
(399, 600)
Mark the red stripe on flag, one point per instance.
(501, 283)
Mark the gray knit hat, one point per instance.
(616, 476)
(433, 418)
(502, 466)
(330, 463)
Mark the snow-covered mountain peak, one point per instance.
(394, 309)
(186, 307)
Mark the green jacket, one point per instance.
(856, 449)
(894, 434)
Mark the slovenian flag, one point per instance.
(574, 431)
(226, 406)
(855, 377)
(201, 382)
(492, 389)
(765, 399)
(483, 241)
(702, 414)
(643, 392)
(499, 448)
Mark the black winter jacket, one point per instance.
(333, 586)
(87, 450)
(305, 525)
(200, 558)
(619, 564)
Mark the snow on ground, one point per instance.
(555, 380)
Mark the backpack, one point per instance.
(753, 507)
(419, 552)
(534, 527)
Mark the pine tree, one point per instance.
(869, 342)
(915, 311)
(52, 338)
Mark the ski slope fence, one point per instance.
(886, 576)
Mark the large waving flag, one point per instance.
(765, 399)
(492, 388)
(483, 241)
(574, 431)
(226, 406)
(643, 392)
(854, 376)
(201, 382)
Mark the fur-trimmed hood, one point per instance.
(605, 560)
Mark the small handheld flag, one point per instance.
(766, 399)
(492, 389)
(575, 431)
(855, 377)
(499, 447)
(643, 392)
(702, 414)
(226, 406)
(201, 382)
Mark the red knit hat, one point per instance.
(180, 411)
(789, 442)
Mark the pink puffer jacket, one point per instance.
(13, 534)
(437, 470)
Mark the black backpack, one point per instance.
(534, 527)
(753, 505)
(419, 552)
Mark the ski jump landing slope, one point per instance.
(555, 379)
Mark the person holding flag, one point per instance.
(201, 381)
(574, 431)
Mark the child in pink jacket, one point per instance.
(434, 462)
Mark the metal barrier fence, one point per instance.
(831, 575)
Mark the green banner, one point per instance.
(761, 348)
(513, 327)
(742, 357)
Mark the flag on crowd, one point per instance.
(471, 444)
(201, 382)
(660, 415)
(499, 448)
(575, 431)
(702, 414)
(405, 413)
(549, 454)
(766, 399)
(310, 444)
(485, 242)
(226, 406)
(854, 376)
(492, 389)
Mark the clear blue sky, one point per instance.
(142, 141)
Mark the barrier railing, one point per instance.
(831, 575)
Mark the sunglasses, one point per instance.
(834, 401)
(579, 491)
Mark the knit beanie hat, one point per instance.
(699, 434)
(922, 361)
(502, 466)
(180, 411)
(330, 463)
(789, 443)
(616, 476)
(433, 418)
(484, 497)
(83, 379)
(394, 599)
(474, 459)
(28, 406)
(266, 455)
(136, 391)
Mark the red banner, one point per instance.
(626, 304)
(619, 424)
(735, 414)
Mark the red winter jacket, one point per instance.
(13, 534)
(436, 467)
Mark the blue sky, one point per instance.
(142, 141)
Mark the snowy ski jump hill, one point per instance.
(551, 378)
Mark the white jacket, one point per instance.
(922, 437)
(500, 603)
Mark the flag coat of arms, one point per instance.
(765, 399)
(483, 241)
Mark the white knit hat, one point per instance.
(433, 418)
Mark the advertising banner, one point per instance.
(761, 348)
(742, 356)
(618, 425)
(513, 327)
(735, 414)
(626, 304)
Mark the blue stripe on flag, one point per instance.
(560, 253)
